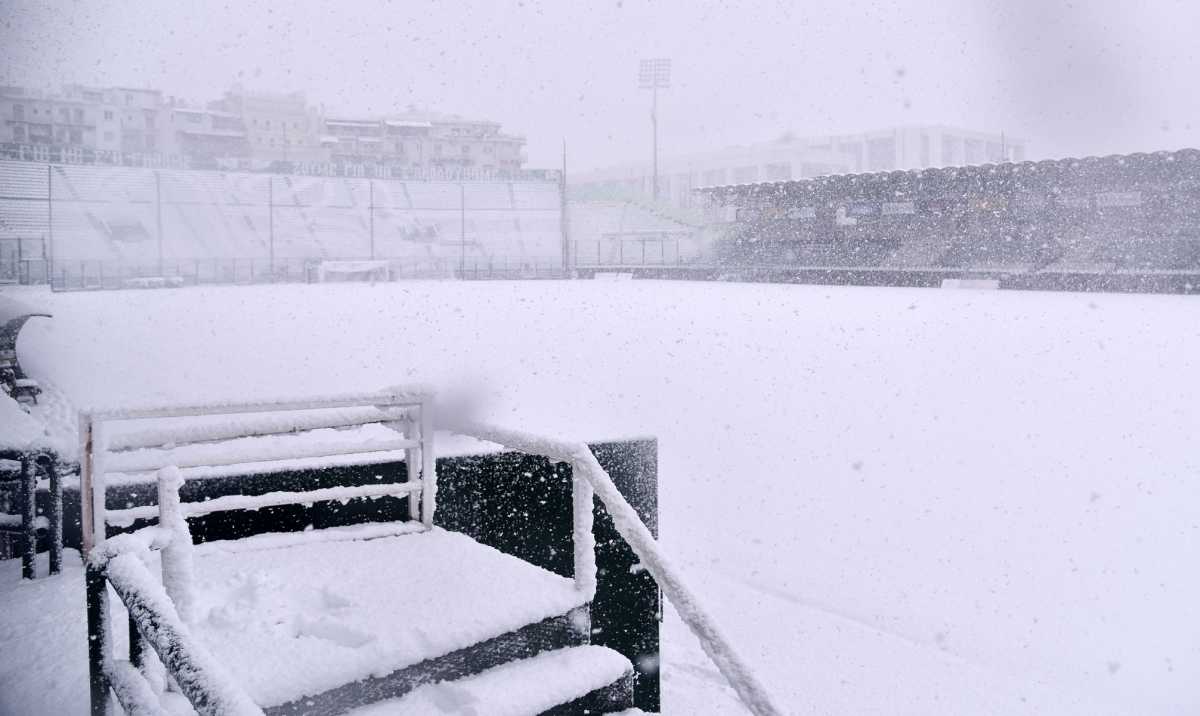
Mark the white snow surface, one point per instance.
(296, 621)
(520, 688)
(18, 430)
(893, 500)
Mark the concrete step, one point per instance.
(574, 680)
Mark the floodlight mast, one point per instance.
(654, 74)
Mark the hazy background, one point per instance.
(1073, 78)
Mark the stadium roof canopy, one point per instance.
(1048, 166)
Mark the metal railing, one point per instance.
(110, 275)
(160, 613)
(588, 478)
(26, 524)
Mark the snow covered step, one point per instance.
(321, 622)
(567, 681)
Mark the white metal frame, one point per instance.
(410, 408)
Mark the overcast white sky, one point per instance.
(1085, 77)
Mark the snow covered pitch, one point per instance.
(895, 500)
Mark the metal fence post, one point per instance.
(56, 511)
(462, 224)
(158, 219)
(28, 516)
(271, 223)
(96, 587)
(371, 215)
(50, 222)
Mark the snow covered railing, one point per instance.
(590, 477)
(230, 453)
(254, 426)
(27, 523)
(254, 434)
(126, 517)
(155, 619)
(160, 612)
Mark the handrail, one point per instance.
(255, 426)
(95, 444)
(202, 679)
(397, 396)
(625, 519)
(160, 613)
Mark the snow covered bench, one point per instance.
(320, 621)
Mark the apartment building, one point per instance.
(206, 135)
(423, 140)
(243, 129)
(279, 127)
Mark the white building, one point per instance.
(791, 157)
(110, 119)
(278, 126)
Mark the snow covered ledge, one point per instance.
(590, 478)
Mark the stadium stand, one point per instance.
(111, 221)
(1137, 214)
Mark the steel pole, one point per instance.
(462, 228)
(654, 132)
(271, 224)
(50, 224)
(158, 219)
(562, 215)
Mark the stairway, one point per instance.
(392, 614)
(318, 618)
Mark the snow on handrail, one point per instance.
(97, 457)
(129, 515)
(210, 689)
(399, 395)
(625, 519)
(133, 691)
(152, 538)
(254, 426)
(237, 453)
(161, 612)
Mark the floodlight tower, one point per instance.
(655, 74)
